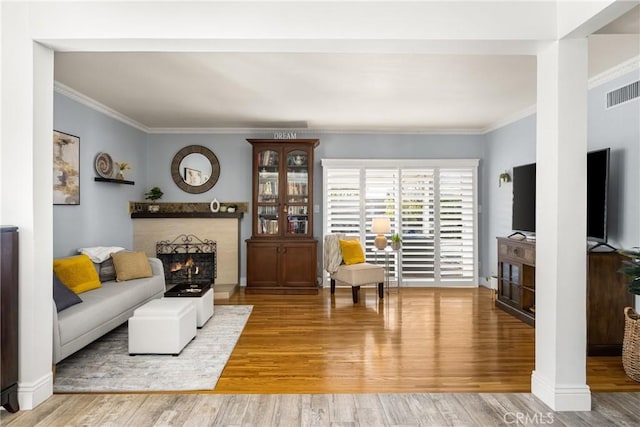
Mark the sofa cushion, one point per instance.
(63, 296)
(352, 252)
(77, 273)
(131, 265)
(102, 305)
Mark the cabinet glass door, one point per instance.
(297, 192)
(268, 191)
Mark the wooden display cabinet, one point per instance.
(282, 252)
(517, 278)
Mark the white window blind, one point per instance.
(431, 203)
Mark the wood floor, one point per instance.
(366, 410)
(415, 340)
(427, 357)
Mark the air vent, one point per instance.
(624, 94)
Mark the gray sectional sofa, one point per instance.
(102, 310)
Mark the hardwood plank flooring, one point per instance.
(428, 357)
(415, 340)
(367, 410)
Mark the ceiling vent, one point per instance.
(624, 94)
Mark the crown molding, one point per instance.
(511, 119)
(619, 70)
(95, 105)
(312, 131)
(612, 73)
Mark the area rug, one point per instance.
(105, 364)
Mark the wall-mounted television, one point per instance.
(524, 196)
(523, 216)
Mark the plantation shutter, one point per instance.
(418, 225)
(430, 204)
(342, 201)
(381, 200)
(456, 224)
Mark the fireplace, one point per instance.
(187, 259)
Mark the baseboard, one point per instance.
(561, 397)
(224, 291)
(33, 393)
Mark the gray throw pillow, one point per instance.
(107, 271)
(63, 296)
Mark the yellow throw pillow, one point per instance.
(77, 273)
(351, 252)
(131, 265)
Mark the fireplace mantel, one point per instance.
(237, 215)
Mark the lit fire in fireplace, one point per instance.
(187, 265)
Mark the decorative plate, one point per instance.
(104, 165)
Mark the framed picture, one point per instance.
(192, 176)
(66, 169)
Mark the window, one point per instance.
(431, 203)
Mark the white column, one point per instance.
(26, 184)
(559, 378)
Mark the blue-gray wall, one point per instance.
(514, 144)
(234, 154)
(509, 146)
(619, 129)
(102, 218)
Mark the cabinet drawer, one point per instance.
(522, 252)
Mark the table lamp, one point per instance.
(381, 225)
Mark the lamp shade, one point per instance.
(381, 225)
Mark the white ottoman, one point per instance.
(162, 326)
(204, 307)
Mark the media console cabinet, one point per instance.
(607, 293)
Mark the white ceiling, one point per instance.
(324, 91)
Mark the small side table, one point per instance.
(389, 255)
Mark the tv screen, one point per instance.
(524, 198)
(597, 183)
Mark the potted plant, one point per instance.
(154, 194)
(396, 241)
(504, 177)
(631, 342)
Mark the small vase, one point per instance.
(396, 245)
(214, 205)
(120, 175)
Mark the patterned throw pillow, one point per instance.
(107, 271)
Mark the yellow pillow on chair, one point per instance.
(352, 252)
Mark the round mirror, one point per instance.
(195, 169)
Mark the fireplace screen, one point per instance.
(187, 259)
